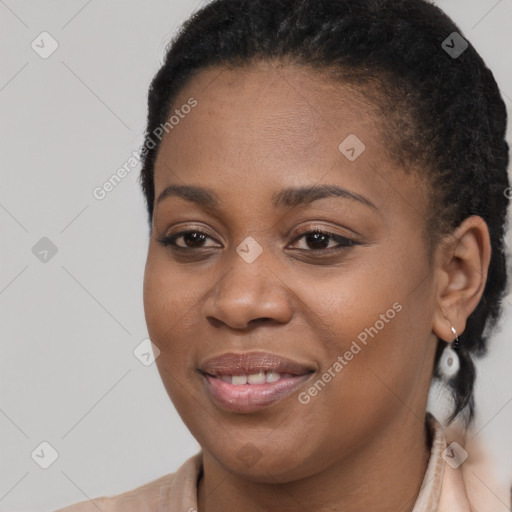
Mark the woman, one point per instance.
(326, 183)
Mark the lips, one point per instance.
(246, 382)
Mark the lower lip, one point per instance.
(251, 397)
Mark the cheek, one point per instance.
(376, 319)
(360, 334)
(170, 306)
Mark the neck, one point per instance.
(386, 475)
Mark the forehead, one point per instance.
(274, 104)
(268, 125)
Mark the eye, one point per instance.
(318, 240)
(191, 239)
(315, 240)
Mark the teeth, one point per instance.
(253, 378)
(256, 378)
(272, 377)
(238, 380)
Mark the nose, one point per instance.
(248, 294)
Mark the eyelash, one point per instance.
(343, 242)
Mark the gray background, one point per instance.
(69, 325)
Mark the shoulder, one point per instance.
(145, 497)
(178, 490)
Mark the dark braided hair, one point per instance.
(442, 115)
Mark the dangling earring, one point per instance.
(449, 363)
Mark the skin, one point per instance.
(360, 443)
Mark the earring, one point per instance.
(449, 363)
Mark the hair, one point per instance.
(442, 114)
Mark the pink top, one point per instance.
(444, 487)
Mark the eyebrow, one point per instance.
(289, 197)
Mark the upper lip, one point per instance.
(246, 363)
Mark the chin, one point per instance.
(265, 464)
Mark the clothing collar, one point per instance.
(442, 489)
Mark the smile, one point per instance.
(248, 382)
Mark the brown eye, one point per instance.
(317, 240)
(192, 239)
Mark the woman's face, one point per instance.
(333, 330)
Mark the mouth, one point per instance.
(247, 382)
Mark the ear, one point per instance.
(462, 262)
